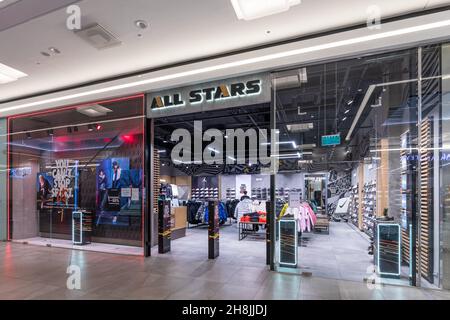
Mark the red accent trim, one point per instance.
(8, 221)
(141, 95)
(143, 181)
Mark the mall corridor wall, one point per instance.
(3, 179)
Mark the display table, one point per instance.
(247, 229)
(322, 224)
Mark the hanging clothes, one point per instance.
(192, 209)
(223, 215)
(231, 207)
(304, 215)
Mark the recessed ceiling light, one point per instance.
(347, 111)
(8, 74)
(254, 9)
(345, 118)
(95, 110)
(141, 24)
(54, 50)
(350, 102)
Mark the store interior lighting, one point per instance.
(255, 9)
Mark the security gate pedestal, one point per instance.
(213, 229)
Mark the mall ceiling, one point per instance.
(178, 31)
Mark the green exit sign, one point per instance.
(331, 140)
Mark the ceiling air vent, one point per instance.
(301, 127)
(98, 37)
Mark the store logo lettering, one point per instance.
(219, 93)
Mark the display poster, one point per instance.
(118, 192)
(57, 187)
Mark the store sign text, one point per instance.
(209, 94)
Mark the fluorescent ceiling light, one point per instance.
(236, 64)
(94, 111)
(294, 145)
(287, 156)
(301, 127)
(8, 74)
(307, 146)
(255, 9)
(181, 162)
(231, 158)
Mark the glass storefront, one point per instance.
(76, 175)
(368, 134)
(358, 191)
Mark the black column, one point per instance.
(213, 229)
(164, 232)
(271, 215)
(148, 182)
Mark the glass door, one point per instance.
(347, 167)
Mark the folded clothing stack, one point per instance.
(254, 217)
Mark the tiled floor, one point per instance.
(32, 272)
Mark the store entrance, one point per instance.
(351, 130)
(189, 172)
